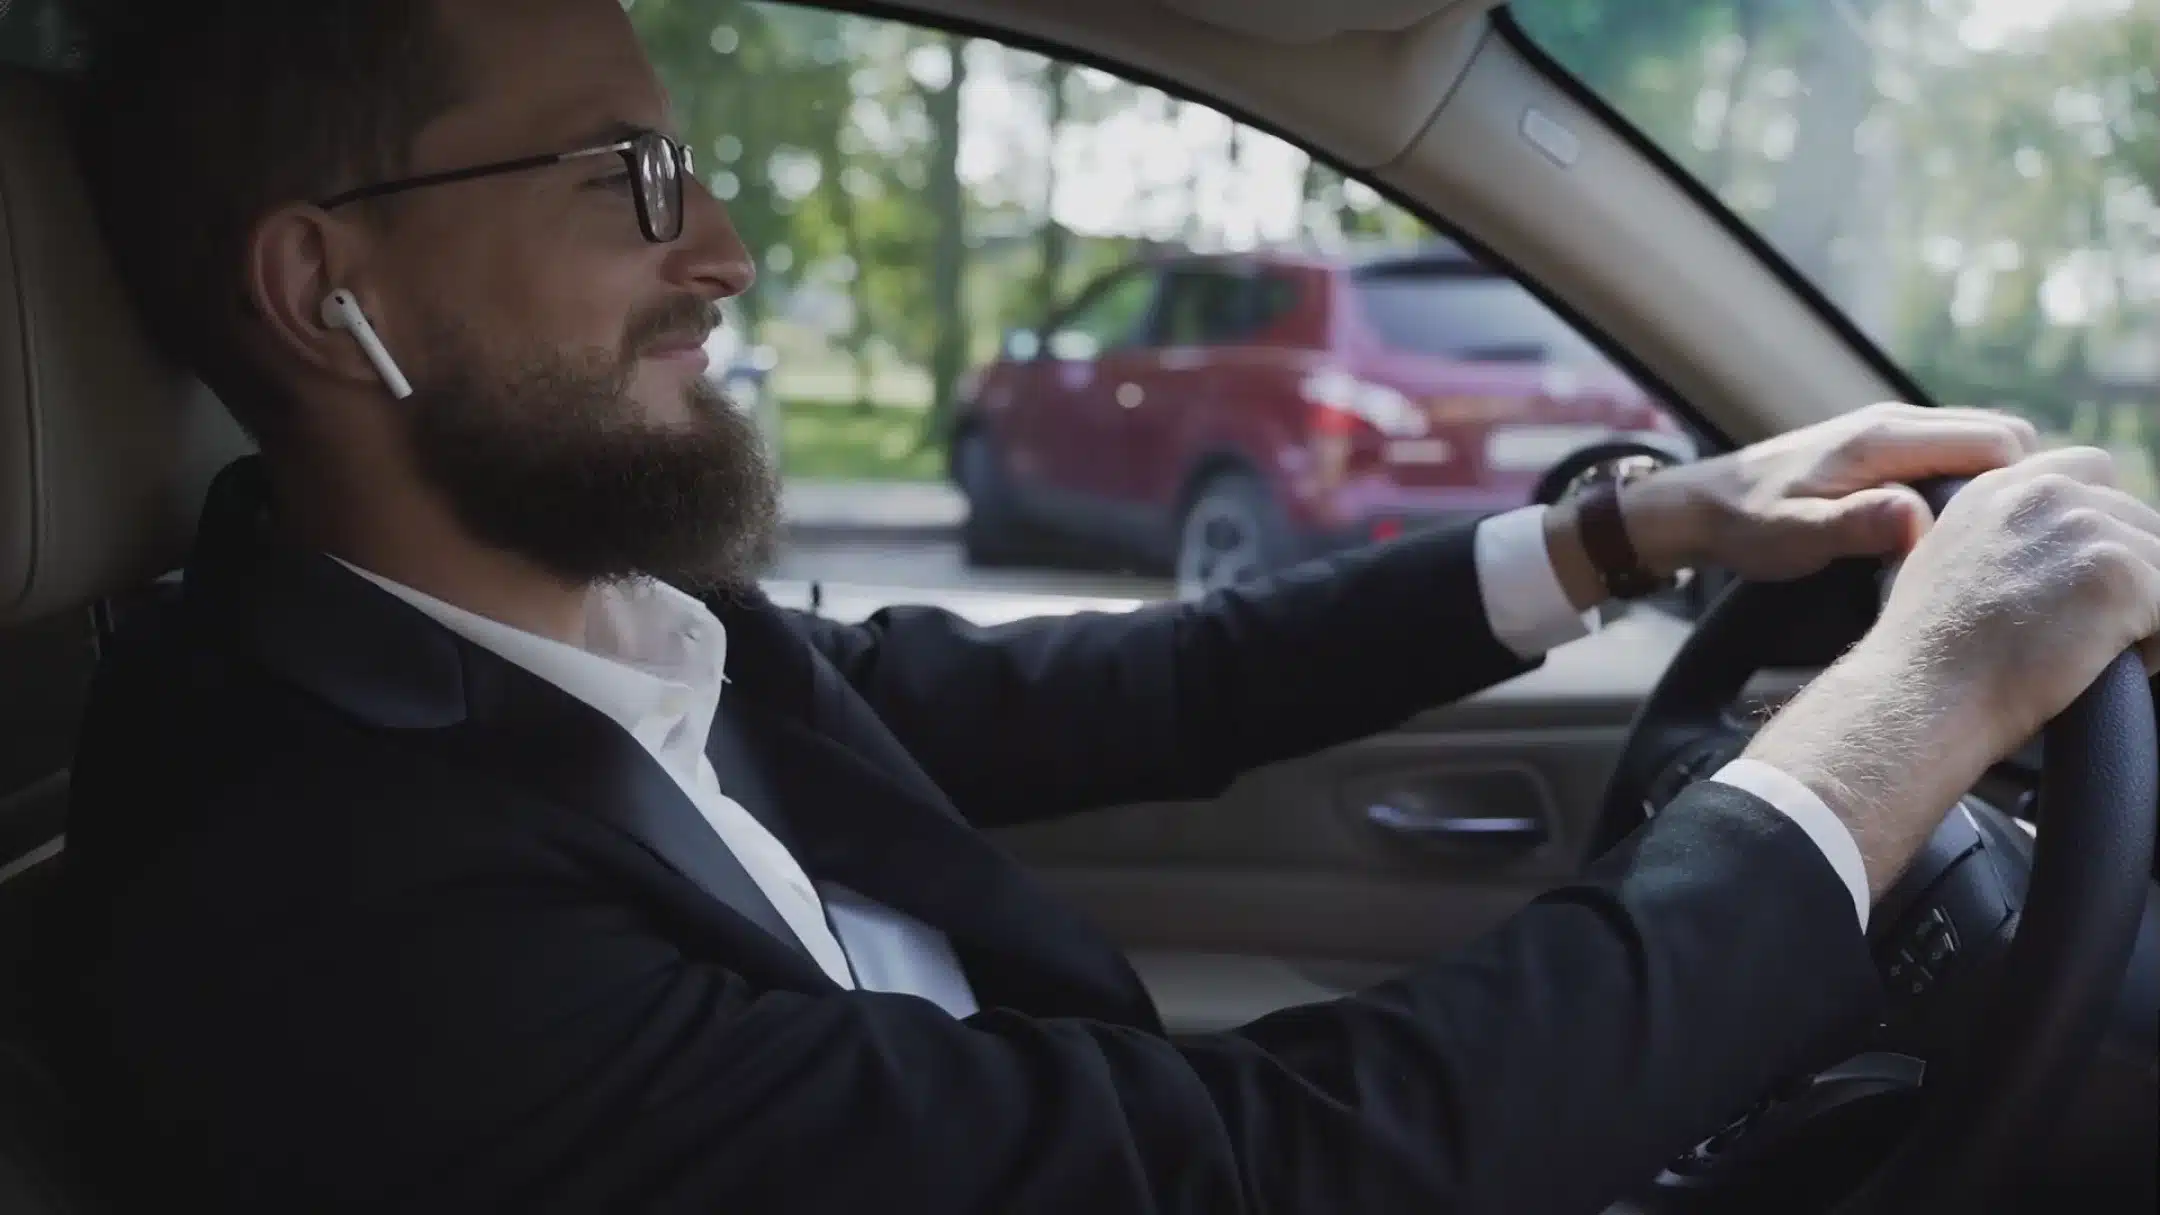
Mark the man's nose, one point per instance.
(709, 257)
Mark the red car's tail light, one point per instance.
(1463, 409)
(1328, 421)
(1341, 401)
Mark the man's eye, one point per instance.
(614, 181)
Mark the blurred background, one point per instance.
(912, 195)
(1026, 329)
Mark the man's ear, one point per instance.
(296, 256)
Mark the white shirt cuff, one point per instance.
(1525, 603)
(1799, 803)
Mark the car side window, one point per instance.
(1209, 307)
(959, 244)
(1111, 316)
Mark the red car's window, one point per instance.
(1213, 307)
(1453, 312)
(1110, 318)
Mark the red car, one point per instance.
(1220, 416)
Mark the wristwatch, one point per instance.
(1596, 496)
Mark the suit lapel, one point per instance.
(860, 827)
(856, 810)
(563, 750)
(384, 663)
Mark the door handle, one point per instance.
(1425, 826)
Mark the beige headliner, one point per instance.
(1426, 98)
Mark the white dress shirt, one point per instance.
(653, 662)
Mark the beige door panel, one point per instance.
(1298, 884)
(1297, 861)
(1285, 890)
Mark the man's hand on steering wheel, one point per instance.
(2038, 576)
(1791, 505)
(2036, 579)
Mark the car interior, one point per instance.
(1313, 877)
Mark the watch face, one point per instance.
(1630, 468)
(1618, 568)
(1620, 471)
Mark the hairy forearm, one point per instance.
(1887, 741)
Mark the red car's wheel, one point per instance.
(992, 534)
(1232, 532)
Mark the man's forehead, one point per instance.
(545, 74)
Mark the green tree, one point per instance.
(1052, 238)
(949, 348)
(1935, 183)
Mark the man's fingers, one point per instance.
(1937, 443)
(1881, 521)
(2141, 543)
(1884, 520)
(2122, 505)
(2090, 465)
(2146, 643)
(2144, 547)
(2025, 433)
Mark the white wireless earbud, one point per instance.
(342, 311)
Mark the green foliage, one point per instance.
(821, 440)
(2010, 157)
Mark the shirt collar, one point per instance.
(654, 658)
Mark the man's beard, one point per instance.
(549, 459)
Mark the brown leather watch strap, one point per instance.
(1605, 542)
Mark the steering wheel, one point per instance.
(2036, 934)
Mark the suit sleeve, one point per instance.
(1174, 701)
(520, 1040)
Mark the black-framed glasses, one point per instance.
(656, 163)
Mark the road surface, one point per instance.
(856, 578)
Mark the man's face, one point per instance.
(561, 407)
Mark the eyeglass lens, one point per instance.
(660, 183)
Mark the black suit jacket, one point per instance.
(361, 915)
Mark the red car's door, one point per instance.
(1064, 438)
(1224, 353)
(1161, 409)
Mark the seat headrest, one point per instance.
(105, 449)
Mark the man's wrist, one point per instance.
(1889, 740)
(1572, 564)
(1669, 527)
(1669, 521)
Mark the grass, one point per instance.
(812, 368)
(833, 440)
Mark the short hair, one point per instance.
(197, 119)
